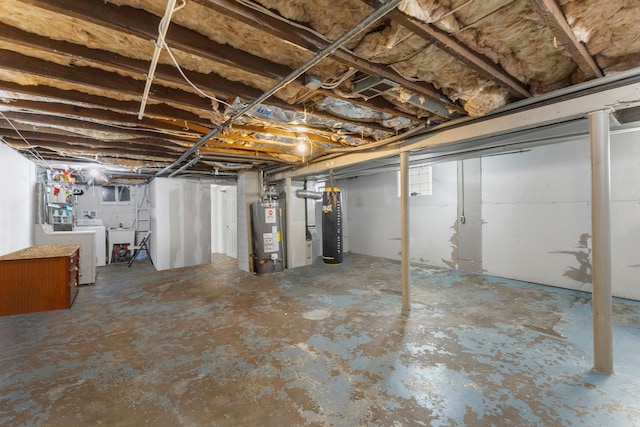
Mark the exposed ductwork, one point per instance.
(361, 26)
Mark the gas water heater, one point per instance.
(267, 237)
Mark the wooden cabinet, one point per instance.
(39, 278)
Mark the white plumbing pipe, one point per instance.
(162, 32)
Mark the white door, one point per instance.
(232, 222)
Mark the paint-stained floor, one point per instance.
(315, 346)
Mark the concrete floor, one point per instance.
(315, 346)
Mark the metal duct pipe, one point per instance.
(361, 26)
(188, 165)
(308, 194)
(230, 166)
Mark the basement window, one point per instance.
(116, 194)
(420, 181)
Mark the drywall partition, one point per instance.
(180, 222)
(373, 217)
(17, 215)
(536, 215)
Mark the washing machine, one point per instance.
(100, 240)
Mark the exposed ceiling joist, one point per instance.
(145, 25)
(553, 16)
(55, 109)
(72, 74)
(44, 93)
(310, 41)
(483, 65)
(97, 79)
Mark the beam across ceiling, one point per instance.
(56, 109)
(578, 105)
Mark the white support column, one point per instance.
(288, 215)
(248, 192)
(601, 241)
(404, 231)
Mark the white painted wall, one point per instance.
(373, 217)
(625, 214)
(537, 215)
(535, 211)
(17, 216)
(112, 215)
(180, 222)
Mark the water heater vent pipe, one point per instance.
(308, 194)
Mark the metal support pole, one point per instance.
(601, 242)
(404, 231)
(288, 226)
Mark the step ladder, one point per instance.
(143, 220)
(143, 246)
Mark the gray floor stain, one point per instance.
(315, 346)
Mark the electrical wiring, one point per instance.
(477, 21)
(340, 80)
(31, 148)
(184, 76)
(163, 44)
(451, 12)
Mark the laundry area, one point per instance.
(320, 213)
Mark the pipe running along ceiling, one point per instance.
(279, 84)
